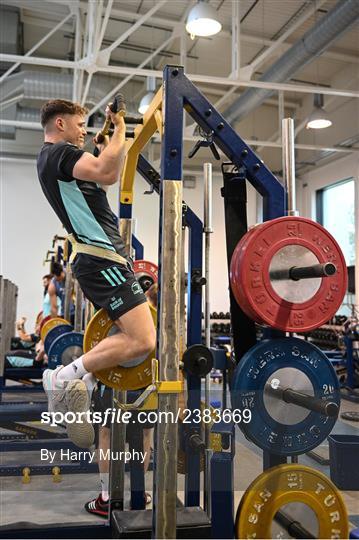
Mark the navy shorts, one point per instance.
(115, 289)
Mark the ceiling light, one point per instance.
(145, 102)
(147, 98)
(202, 21)
(319, 119)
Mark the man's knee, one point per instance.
(147, 343)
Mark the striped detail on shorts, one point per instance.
(113, 276)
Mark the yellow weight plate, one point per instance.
(50, 324)
(119, 377)
(285, 484)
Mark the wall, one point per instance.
(27, 226)
(320, 177)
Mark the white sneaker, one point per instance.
(77, 400)
(55, 390)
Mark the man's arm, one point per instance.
(106, 168)
(53, 299)
(40, 352)
(20, 327)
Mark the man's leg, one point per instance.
(99, 505)
(137, 338)
(128, 308)
(147, 442)
(101, 400)
(103, 460)
(147, 439)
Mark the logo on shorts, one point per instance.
(117, 303)
(136, 288)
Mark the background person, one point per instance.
(102, 400)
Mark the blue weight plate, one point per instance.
(54, 333)
(277, 426)
(65, 349)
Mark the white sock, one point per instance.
(75, 370)
(104, 479)
(90, 380)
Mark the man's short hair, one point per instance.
(47, 276)
(57, 269)
(55, 107)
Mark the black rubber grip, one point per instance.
(118, 104)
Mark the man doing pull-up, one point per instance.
(73, 182)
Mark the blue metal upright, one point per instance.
(178, 91)
(194, 336)
(137, 246)
(222, 483)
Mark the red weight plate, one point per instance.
(240, 249)
(44, 321)
(252, 286)
(145, 267)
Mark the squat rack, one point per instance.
(165, 115)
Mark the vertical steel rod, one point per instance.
(68, 292)
(117, 466)
(289, 164)
(89, 312)
(207, 223)
(236, 40)
(78, 324)
(118, 431)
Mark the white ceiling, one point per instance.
(261, 20)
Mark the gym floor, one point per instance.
(63, 502)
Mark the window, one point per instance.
(336, 212)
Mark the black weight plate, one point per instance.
(198, 360)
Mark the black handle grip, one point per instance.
(133, 120)
(118, 104)
(196, 443)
